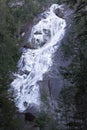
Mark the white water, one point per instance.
(36, 62)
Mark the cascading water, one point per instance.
(45, 37)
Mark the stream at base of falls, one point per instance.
(45, 38)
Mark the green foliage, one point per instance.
(8, 118)
(42, 120)
(45, 121)
(26, 12)
(8, 49)
(8, 59)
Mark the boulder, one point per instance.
(59, 13)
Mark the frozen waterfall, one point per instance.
(45, 37)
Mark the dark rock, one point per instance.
(29, 117)
(28, 45)
(25, 104)
(59, 13)
(32, 109)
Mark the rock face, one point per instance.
(59, 13)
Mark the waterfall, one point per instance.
(45, 39)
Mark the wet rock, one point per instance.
(36, 42)
(33, 109)
(36, 19)
(29, 45)
(29, 117)
(59, 13)
(37, 32)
